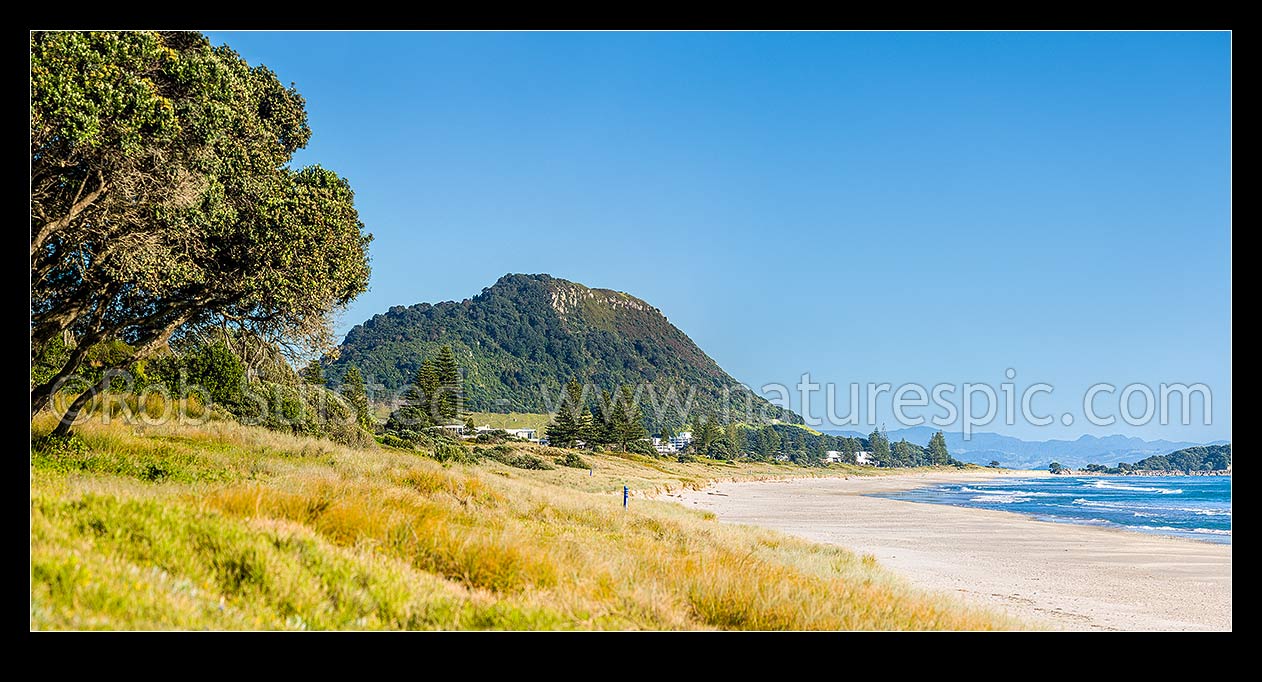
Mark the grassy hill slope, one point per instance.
(230, 527)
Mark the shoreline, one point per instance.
(1049, 574)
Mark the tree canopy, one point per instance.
(162, 199)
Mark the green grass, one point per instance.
(221, 526)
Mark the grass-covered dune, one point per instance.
(223, 526)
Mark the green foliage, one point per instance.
(211, 369)
(641, 447)
(880, 448)
(572, 460)
(705, 433)
(433, 399)
(163, 198)
(448, 402)
(938, 452)
(529, 332)
(505, 454)
(572, 421)
(1187, 460)
(766, 442)
(302, 409)
(721, 448)
(355, 395)
(492, 437)
(1055, 467)
(50, 359)
(313, 373)
(453, 453)
(626, 421)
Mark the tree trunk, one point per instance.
(41, 395)
(72, 413)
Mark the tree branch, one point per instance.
(41, 235)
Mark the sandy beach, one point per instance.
(1052, 575)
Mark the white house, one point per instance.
(681, 440)
(524, 434)
(531, 435)
(832, 456)
(865, 458)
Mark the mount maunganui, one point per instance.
(530, 332)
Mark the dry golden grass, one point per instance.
(223, 526)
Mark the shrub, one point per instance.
(351, 435)
(571, 459)
(394, 441)
(641, 447)
(451, 452)
(492, 437)
(520, 460)
(212, 367)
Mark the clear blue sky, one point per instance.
(869, 207)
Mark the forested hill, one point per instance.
(531, 331)
(1198, 458)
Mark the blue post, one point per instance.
(625, 493)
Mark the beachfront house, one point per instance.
(525, 434)
(457, 429)
(681, 440)
(865, 458)
(832, 456)
(531, 435)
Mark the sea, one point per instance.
(1196, 507)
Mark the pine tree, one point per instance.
(904, 454)
(628, 420)
(420, 396)
(450, 401)
(736, 439)
(353, 391)
(570, 422)
(880, 445)
(817, 449)
(589, 430)
(938, 453)
(706, 433)
(313, 373)
(603, 430)
(849, 448)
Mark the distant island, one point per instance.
(1200, 460)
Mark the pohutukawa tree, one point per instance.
(162, 199)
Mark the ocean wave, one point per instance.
(999, 499)
(1131, 506)
(1135, 488)
(1198, 531)
(1008, 491)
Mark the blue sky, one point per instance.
(868, 207)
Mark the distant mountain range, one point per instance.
(983, 447)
